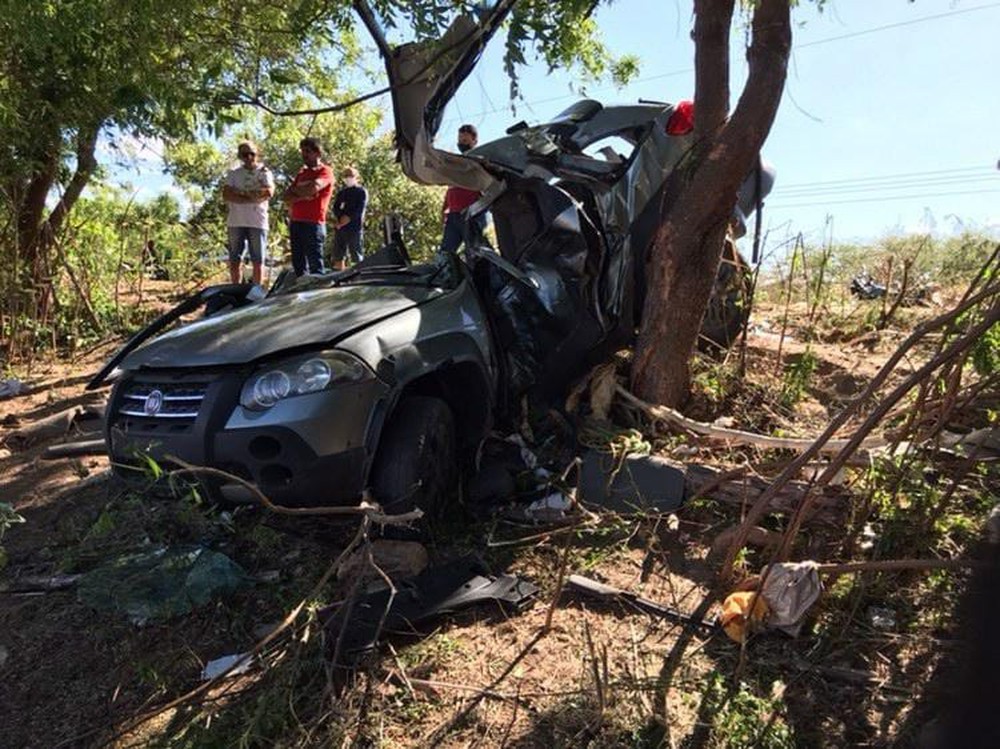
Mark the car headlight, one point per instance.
(300, 376)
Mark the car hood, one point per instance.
(276, 324)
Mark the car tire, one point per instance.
(729, 306)
(416, 464)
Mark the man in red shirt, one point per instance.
(308, 198)
(457, 199)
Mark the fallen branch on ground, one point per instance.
(367, 507)
(664, 413)
(56, 425)
(74, 449)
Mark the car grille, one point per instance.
(173, 408)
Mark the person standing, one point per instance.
(349, 220)
(457, 199)
(308, 198)
(246, 190)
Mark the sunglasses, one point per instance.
(243, 154)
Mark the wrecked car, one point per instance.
(388, 375)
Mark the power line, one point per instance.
(900, 175)
(673, 73)
(900, 185)
(782, 206)
(897, 25)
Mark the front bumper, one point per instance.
(308, 450)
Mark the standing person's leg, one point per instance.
(257, 244)
(339, 251)
(355, 247)
(298, 237)
(347, 247)
(237, 239)
(454, 231)
(314, 249)
(476, 229)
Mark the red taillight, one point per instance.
(681, 122)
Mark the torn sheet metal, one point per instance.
(353, 629)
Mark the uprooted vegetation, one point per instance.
(892, 502)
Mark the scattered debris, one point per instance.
(75, 449)
(397, 559)
(11, 388)
(781, 596)
(230, 665)
(635, 484)
(355, 626)
(736, 618)
(882, 618)
(56, 425)
(549, 509)
(604, 592)
(790, 589)
(40, 583)
(863, 286)
(161, 584)
(985, 441)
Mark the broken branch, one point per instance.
(665, 413)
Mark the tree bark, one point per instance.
(698, 202)
(86, 165)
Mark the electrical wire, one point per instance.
(876, 199)
(890, 186)
(816, 43)
(900, 175)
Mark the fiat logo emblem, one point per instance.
(154, 402)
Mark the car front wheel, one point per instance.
(416, 464)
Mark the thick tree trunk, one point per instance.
(698, 203)
(36, 232)
(31, 211)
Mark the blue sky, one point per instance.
(890, 120)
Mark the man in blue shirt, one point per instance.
(349, 217)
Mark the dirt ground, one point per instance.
(73, 676)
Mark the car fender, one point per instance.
(450, 367)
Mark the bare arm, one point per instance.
(234, 195)
(307, 189)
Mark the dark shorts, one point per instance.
(347, 245)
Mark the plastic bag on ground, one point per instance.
(161, 584)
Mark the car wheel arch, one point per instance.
(462, 385)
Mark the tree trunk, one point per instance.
(36, 233)
(698, 202)
(86, 165)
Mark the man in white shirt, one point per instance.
(247, 190)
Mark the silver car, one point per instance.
(388, 375)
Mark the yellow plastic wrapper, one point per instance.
(736, 618)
